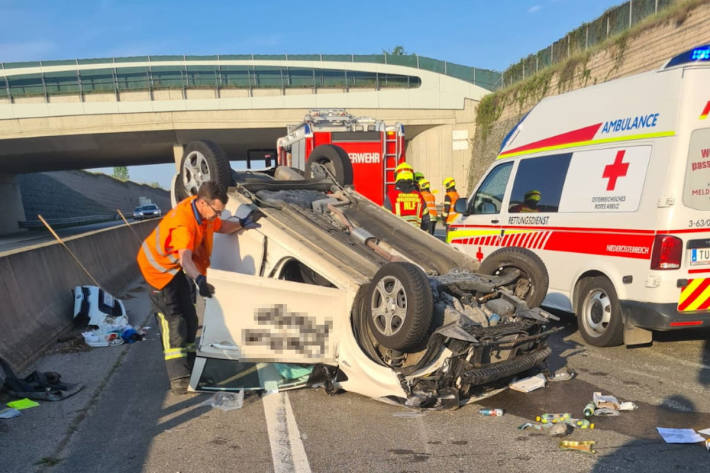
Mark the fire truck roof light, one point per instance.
(698, 54)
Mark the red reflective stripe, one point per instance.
(686, 324)
(704, 305)
(698, 290)
(574, 136)
(693, 271)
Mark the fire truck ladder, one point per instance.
(387, 157)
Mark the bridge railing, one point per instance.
(116, 75)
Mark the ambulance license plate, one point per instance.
(699, 256)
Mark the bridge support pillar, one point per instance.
(12, 209)
(177, 155)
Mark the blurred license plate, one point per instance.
(699, 256)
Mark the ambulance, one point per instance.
(610, 187)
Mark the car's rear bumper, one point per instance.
(662, 317)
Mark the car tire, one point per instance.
(202, 161)
(335, 159)
(400, 306)
(533, 282)
(599, 313)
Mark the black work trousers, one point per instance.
(176, 316)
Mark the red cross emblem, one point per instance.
(479, 254)
(615, 170)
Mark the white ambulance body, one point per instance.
(617, 178)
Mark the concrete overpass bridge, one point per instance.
(142, 110)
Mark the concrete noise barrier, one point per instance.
(36, 285)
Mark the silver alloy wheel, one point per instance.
(389, 305)
(195, 171)
(596, 312)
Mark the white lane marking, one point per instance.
(287, 450)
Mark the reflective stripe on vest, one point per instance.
(157, 266)
(430, 204)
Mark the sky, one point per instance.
(488, 34)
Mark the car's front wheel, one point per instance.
(400, 306)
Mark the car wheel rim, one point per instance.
(596, 312)
(195, 171)
(389, 306)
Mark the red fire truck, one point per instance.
(327, 137)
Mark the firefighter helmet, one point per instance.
(449, 183)
(404, 176)
(418, 176)
(533, 195)
(424, 184)
(403, 167)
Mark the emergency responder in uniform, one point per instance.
(430, 210)
(404, 200)
(418, 176)
(532, 197)
(179, 248)
(447, 214)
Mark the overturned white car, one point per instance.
(333, 290)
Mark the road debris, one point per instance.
(21, 404)
(563, 374)
(554, 430)
(586, 446)
(9, 413)
(104, 316)
(611, 402)
(226, 401)
(491, 412)
(670, 435)
(553, 418)
(531, 383)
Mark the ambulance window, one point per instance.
(697, 173)
(538, 184)
(488, 197)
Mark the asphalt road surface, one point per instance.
(125, 420)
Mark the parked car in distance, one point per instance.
(147, 211)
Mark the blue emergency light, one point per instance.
(699, 54)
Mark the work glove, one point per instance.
(204, 288)
(250, 221)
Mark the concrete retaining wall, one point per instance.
(36, 285)
(643, 48)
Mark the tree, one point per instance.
(120, 173)
(396, 51)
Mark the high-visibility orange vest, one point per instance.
(449, 202)
(430, 205)
(407, 205)
(181, 229)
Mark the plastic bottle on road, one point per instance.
(491, 412)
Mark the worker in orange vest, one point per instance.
(448, 214)
(404, 200)
(180, 248)
(431, 215)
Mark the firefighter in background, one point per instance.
(404, 200)
(175, 256)
(430, 214)
(448, 215)
(418, 176)
(402, 167)
(532, 198)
